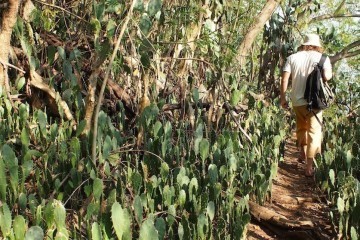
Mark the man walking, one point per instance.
(297, 67)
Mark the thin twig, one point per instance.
(62, 183)
(77, 188)
(62, 9)
(107, 73)
(140, 150)
(12, 66)
(192, 59)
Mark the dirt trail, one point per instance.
(297, 198)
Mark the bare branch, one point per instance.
(37, 81)
(62, 9)
(329, 16)
(255, 29)
(346, 52)
(12, 66)
(107, 73)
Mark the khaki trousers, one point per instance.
(308, 130)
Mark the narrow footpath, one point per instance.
(295, 199)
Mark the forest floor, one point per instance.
(297, 198)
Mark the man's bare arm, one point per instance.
(327, 74)
(283, 87)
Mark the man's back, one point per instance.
(300, 66)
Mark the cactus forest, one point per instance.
(159, 119)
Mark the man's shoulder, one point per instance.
(297, 54)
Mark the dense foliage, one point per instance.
(339, 168)
(185, 139)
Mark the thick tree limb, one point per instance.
(121, 94)
(330, 16)
(90, 99)
(255, 29)
(346, 52)
(7, 24)
(37, 82)
(264, 214)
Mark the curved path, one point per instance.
(297, 198)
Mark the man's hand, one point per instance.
(284, 104)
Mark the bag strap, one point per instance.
(322, 60)
(317, 118)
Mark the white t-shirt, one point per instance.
(300, 66)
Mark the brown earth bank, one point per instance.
(297, 209)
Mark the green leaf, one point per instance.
(182, 178)
(160, 227)
(145, 25)
(95, 26)
(148, 230)
(193, 187)
(138, 209)
(61, 52)
(167, 195)
(340, 205)
(41, 117)
(24, 114)
(80, 128)
(182, 198)
(164, 170)
(3, 182)
(59, 214)
(210, 210)
(332, 176)
(139, 6)
(171, 215)
(111, 28)
(11, 163)
(96, 232)
(19, 227)
(201, 223)
(213, 173)
(25, 139)
(97, 188)
(246, 218)
(22, 201)
(51, 51)
(31, 153)
(196, 95)
(113, 159)
(353, 233)
(107, 147)
(20, 83)
(348, 159)
(157, 128)
(5, 219)
(34, 233)
(121, 221)
(154, 6)
(204, 149)
(181, 231)
(235, 97)
(99, 9)
(136, 180)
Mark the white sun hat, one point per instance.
(312, 39)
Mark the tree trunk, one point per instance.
(7, 23)
(255, 29)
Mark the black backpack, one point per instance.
(318, 93)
